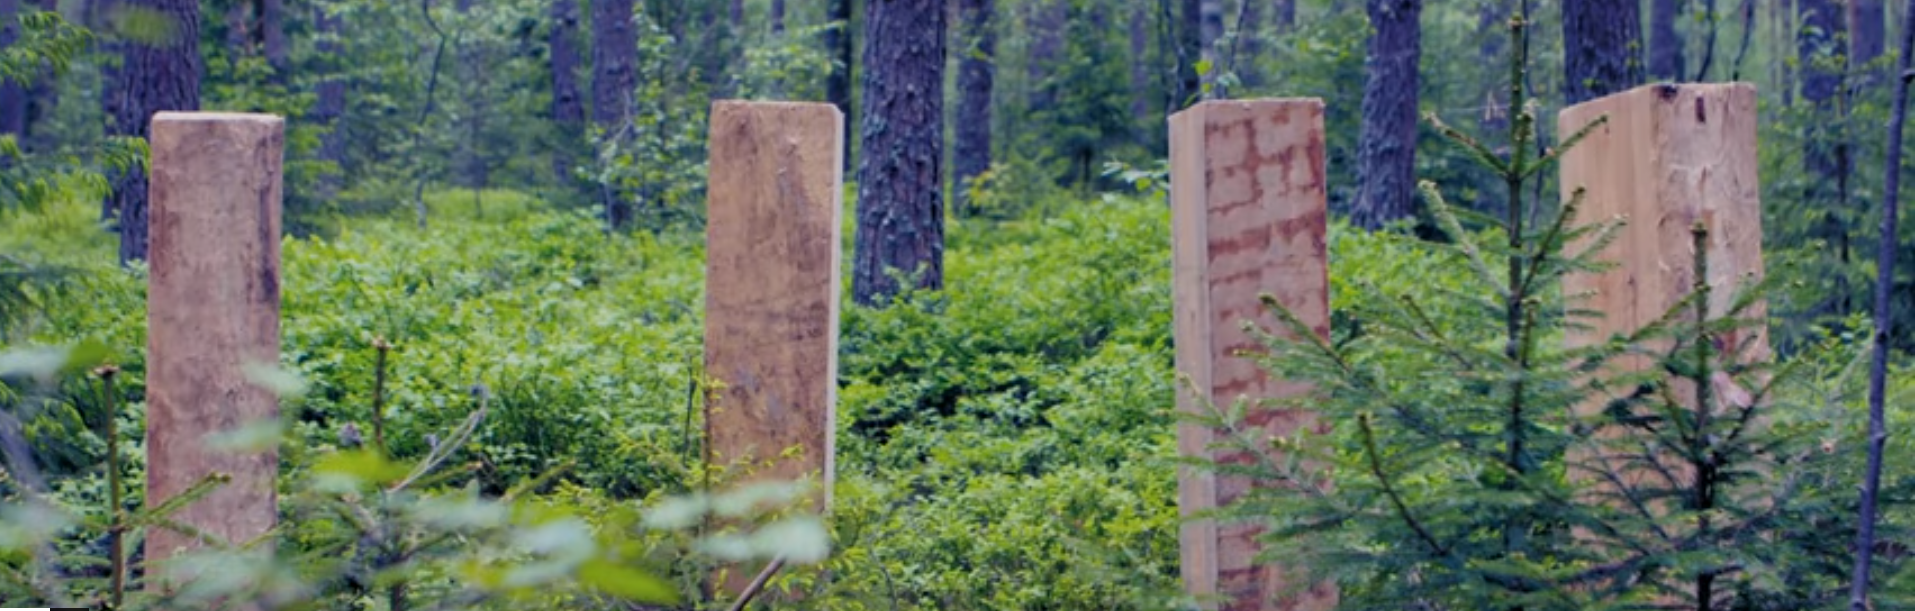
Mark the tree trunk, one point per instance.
(1386, 153)
(329, 105)
(272, 37)
(1047, 22)
(778, 17)
(1665, 44)
(1140, 66)
(1286, 16)
(568, 109)
(1599, 42)
(975, 76)
(838, 82)
(1188, 30)
(1867, 25)
(613, 44)
(474, 169)
(43, 96)
(900, 208)
(1826, 157)
(13, 95)
(239, 34)
(1249, 46)
(1211, 31)
(160, 71)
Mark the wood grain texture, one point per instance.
(1669, 156)
(1248, 218)
(772, 287)
(212, 309)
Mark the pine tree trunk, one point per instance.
(613, 45)
(838, 82)
(1867, 25)
(329, 105)
(1599, 42)
(1665, 44)
(1190, 50)
(1823, 23)
(975, 76)
(1386, 153)
(13, 95)
(778, 17)
(1212, 31)
(1140, 65)
(1249, 45)
(239, 35)
(156, 74)
(568, 109)
(900, 208)
(272, 37)
(474, 170)
(1047, 22)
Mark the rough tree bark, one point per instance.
(160, 70)
(568, 109)
(978, 42)
(1665, 43)
(613, 44)
(900, 208)
(329, 105)
(1386, 152)
(838, 82)
(1600, 38)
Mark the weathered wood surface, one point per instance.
(212, 309)
(772, 286)
(1669, 156)
(1248, 218)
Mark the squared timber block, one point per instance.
(772, 287)
(1248, 218)
(212, 309)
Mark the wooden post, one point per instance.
(212, 308)
(1670, 155)
(771, 286)
(1248, 218)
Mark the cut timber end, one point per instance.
(1248, 217)
(1670, 156)
(771, 287)
(212, 309)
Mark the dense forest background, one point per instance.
(587, 109)
(511, 193)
